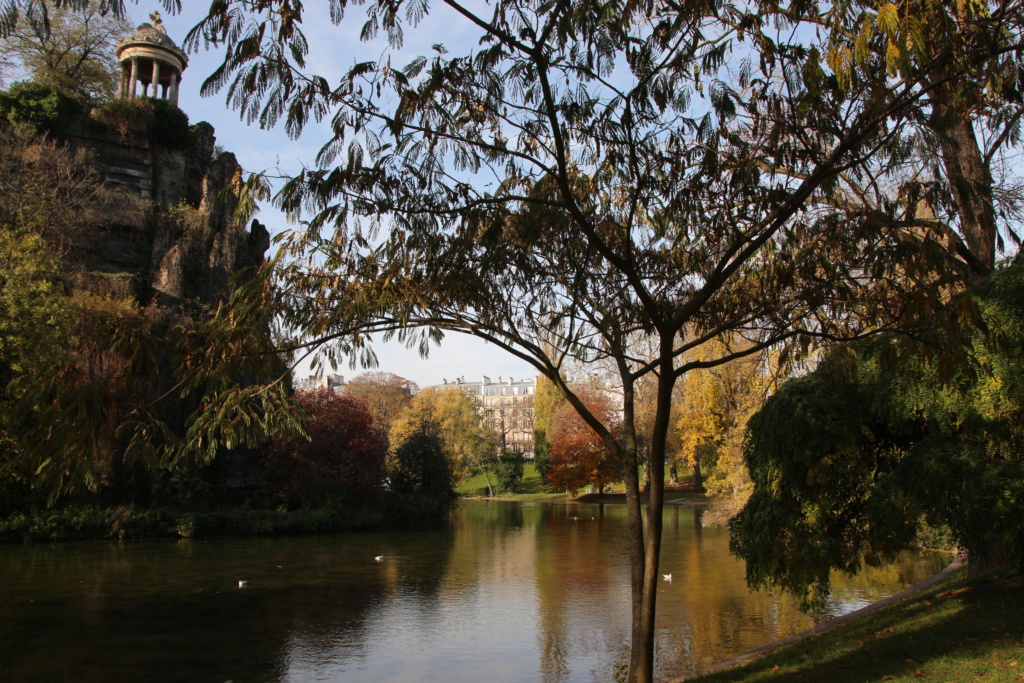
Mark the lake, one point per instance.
(504, 592)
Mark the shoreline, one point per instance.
(739, 660)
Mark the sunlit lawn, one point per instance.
(533, 486)
(959, 631)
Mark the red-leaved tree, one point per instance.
(343, 461)
(579, 457)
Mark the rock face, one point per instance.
(175, 234)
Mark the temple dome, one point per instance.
(147, 34)
(149, 57)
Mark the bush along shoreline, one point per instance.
(80, 523)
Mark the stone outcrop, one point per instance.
(174, 234)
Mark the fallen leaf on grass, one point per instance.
(920, 673)
(888, 678)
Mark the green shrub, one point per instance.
(418, 467)
(170, 126)
(129, 118)
(509, 471)
(158, 121)
(120, 523)
(34, 109)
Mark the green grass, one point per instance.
(962, 630)
(532, 488)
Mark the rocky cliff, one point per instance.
(174, 239)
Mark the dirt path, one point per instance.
(621, 497)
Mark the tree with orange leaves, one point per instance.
(579, 457)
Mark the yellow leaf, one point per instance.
(888, 19)
(841, 61)
(892, 57)
(862, 48)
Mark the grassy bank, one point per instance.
(533, 486)
(962, 630)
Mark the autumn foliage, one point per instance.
(342, 462)
(578, 456)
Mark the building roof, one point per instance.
(152, 35)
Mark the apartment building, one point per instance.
(506, 406)
(334, 383)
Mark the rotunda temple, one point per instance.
(150, 59)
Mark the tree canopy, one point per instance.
(340, 460)
(385, 394)
(711, 418)
(579, 458)
(451, 416)
(67, 46)
(851, 460)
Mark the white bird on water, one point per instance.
(379, 558)
(243, 584)
(667, 577)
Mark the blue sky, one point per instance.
(333, 49)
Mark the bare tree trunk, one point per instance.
(988, 552)
(637, 562)
(646, 542)
(970, 179)
(698, 478)
(640, 665)
(487, 478)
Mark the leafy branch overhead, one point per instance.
(592, 175)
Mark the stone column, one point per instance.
(134, 79)
(156, 78)
(172, 92)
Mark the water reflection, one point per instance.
(506, 592)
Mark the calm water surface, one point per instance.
(506, 592)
